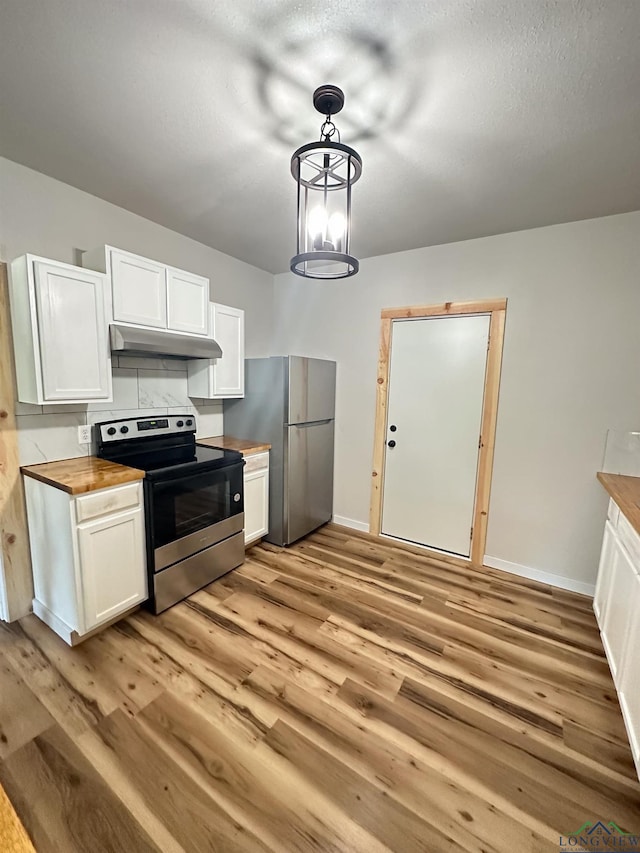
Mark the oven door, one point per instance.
(192, 512)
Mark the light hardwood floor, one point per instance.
(339, 695)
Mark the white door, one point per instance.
(139, 290)
(187, 302)
(434, 414)
(73, 328)
(112, 565)
(228, 330)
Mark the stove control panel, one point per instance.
(129, 428)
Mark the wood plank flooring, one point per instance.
(339, 695)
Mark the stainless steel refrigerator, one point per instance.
(290, 402)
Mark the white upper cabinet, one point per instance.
(60, 318)
(187, 302)
(227, 328)
(139, 290)
(153, 295)
(223, 377)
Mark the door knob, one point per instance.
(393, 427)
(391, 443)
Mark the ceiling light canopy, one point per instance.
(325, 171)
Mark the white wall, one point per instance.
(52, 219)
(571, 370)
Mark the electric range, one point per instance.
(193, 497)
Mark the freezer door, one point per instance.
(312, 390)
(308, 478)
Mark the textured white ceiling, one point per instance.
(473, 117)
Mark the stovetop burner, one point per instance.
(158, 462)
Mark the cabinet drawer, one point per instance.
(256, 462)
(630, 540)
(107, 501)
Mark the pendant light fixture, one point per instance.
(325, 172)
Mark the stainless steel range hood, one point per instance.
(157, 342)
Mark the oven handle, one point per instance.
(169, 480)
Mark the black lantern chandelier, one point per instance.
(325, 172)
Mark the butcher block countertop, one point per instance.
(625, 491)
(228, 442)
(85, 474)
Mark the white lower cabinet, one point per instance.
(256, 497)
(88, 555)
(629, 681)
(601, 594)
(618, 614)
(617, 608)
(108, 549)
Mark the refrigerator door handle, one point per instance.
(310, 423)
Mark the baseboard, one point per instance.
(542, 577)
(350, 522)
(54, 622)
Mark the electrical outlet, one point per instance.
(84, 434)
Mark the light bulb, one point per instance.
(336, 227)
(317, 222)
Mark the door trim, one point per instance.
(497, 309)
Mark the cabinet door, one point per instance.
(256, 505)
(112, 565)
(187, 302)
(228, 371)
(630, 675)
(75, 358)
(223, 377)
(139, 290)
(603, 581)
(618, 612)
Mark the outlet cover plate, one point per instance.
(84, 434)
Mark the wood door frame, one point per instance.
(497, 310)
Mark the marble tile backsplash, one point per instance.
(142, 387)
(162, 388)
(44, 438)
